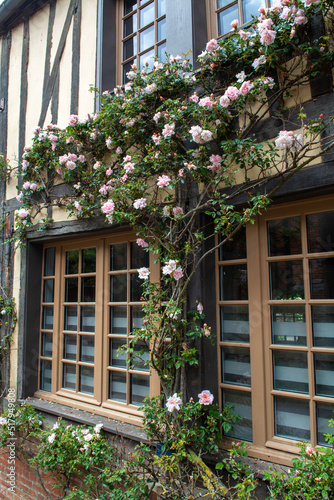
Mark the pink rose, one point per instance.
(178, 273)
(267, 37)
(194, 97)
(71, 165)
(23, 213)
(163, 181)
(224, 101)
(73, 120)
(234, 23)
(212, 45)
(232, 93)
(141, 243)
(246, 87)
(168, 130)
(206, 102)
(108, 207)
(205, 398)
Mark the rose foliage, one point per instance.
(174, 155)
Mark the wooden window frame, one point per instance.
(121, 39)
(98, 403)
(266, 445)
(213, 12)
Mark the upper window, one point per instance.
(222, 12)
(91, 301)
(143, 34)
(276, 312)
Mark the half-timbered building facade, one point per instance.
(273, 360)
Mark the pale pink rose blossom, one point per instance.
(108, 142)
(244, 34)
(25, 164)
(157, 116)
(206, 135)
(33, 186)
(246, 87)
(166, 210)
(124, 177)
(131, 75)
(19, 197)
(156, 139)
(309, 450)
(129, 167)
(119, 151)
(180, 173)
(267, 37)
(177, 211)
(63, 159)
(240, 76)
(168, 130)
(73, 120)
(103, 190)
(108, 207)
(163, 181)
(169, 268)
(23, 213)
(109, 171)
(265, 24)
(232, 93)
(82, 158)
(285, 139)
(52, 437)
(59, 170)
(205, 102)
(173, 403)
(53, 138)
(72, 157)
(224, 101)
(194, 97)
(26, 185)
(69, 140)
(308, 3)
(234, 23)
(78, 206)
(141, 243)
(260, 60)
(178, 273)
(151, 88)
(140, 203)
(200, 307)
(300, 17)
(196, 131)
(205, 398)
(212, 45)
(143, 273)
(70, 165)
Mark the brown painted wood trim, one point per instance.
(23, 91)
(47, 64)
(5, 54)
(55, 68)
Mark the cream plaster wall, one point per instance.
(13, 104)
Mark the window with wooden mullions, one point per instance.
(276, 317)
(91, 301)
(143, 34)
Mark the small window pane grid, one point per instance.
(70, 363)
(234, 342)
(226, 11)
(143, 34)
(300, 260)
(127, 383)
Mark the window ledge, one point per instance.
(110, 426)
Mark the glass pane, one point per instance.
(69, 376)
(324, 374)
(234, 248)
(139, 257)
(288, 325)
(130, 25)
(136, 288)
(250, 8)
(292, 418)
(161, 29)
(284, 236)
(323, 326)
(137, 315)
(71, 318)
(226, 17)
(86, 379)
(117, 358)
(140, 388)
(290, 371)
(129, 49)
(118, 320)
(147, 15)
(320, 232)
(70, 347)
(71, 289)
(324, 413)
(234, 323)
(322, 278)
(46, 347)
(118, 288)
(72, 262)
(242, 403)
(162, 52)
(286, 280)
(233, 282)
(222, 3)
(146, 60)
(45, 375)
(87, 320)
(141, 357)
(161, 7)
(117, 386)
(118, 257)
(236, 366)
(49, 261)
(88, 260)
(146, 38)
(86, 349)
(48, 291)
(88, 289)
(129, 5)
(47, 318)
